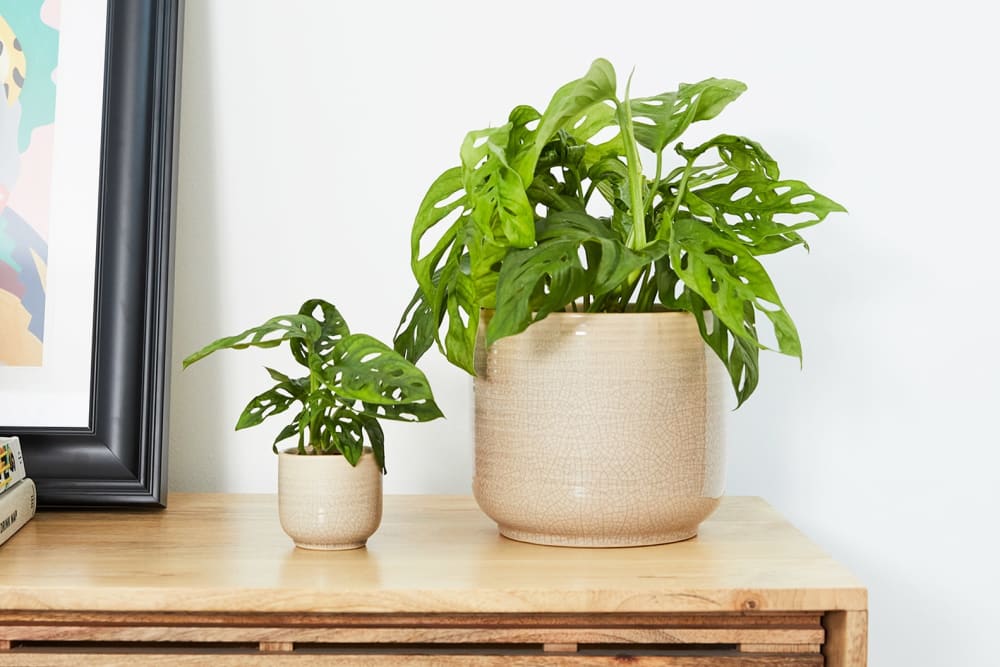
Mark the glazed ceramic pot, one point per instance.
(325, 503)
(599, 430)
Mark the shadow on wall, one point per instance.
(196, 275)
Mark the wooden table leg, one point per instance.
(846, 638)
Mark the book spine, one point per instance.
(17, 507)
(11, 463)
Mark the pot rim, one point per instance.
(657, 312)
(294, 451)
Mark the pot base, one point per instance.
(597, 541)
(347, 546)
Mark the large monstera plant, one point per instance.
(539, 218)
(352, 380)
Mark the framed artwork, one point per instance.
(87, 171)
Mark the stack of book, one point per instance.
(17, 492)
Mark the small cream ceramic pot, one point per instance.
(596, 429)
(325, 503)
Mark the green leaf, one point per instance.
(291, 430)
(500, 207)
(739, 355)
(726, 275)
(567, 105)
(550, 276)
(756, 207)
(270, 334)
(417, 329)
(661, 119)
(463, 321)
(441, 199)
(333, 327)
(346, 429)
(365, 369)
(746, 206)
(543, 279)
(274, 401)
(376, 439)
(609, 261)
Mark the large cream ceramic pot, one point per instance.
(599, 430)
(325, 503)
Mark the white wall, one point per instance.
(310, 131)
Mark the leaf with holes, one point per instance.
(566, 107)
(270, 334)
(344, 369)
(274, 401)
(738, 354)
(365, 369)
(332, 329)
(463, 321)
(290, 431)
(728, 277)
(747, 206)
(417, 329)
(500, 207)
(663, 118)
(534, 283)
(346, 433)
(550, 276)
(444, 197)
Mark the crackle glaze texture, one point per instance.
(325, 503)
(599, 430)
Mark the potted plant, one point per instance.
(592, 290)
(330, 483)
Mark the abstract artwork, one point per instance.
(29, 48)
(87, 165)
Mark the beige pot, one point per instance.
(325, 503)
(598, 430)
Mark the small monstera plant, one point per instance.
(539, 218)
(352, 380)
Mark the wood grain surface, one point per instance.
(432, 554)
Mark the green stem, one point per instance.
(647, 293)
(667, 226)
(656, 184)
(314, 424)
(637, 235)
(628, 289)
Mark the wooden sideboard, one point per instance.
(213, 580)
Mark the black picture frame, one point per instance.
(120, 459)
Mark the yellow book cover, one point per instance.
(11, 463)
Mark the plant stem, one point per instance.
(667, 226)
(656, 184)
(647, 293)
(637, 235)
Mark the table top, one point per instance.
(227, 553)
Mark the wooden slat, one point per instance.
(4, 645)
(780, 648)
(276, 647)
(566, 647)
(601, 620)
(368, 660)
(481, 635)
(846, 639)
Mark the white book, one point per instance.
(11, 463)
(17, 507)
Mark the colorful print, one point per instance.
(29, 48)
